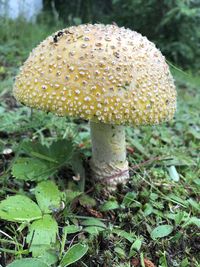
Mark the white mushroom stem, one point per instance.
(108, 163)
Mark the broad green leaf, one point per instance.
(93, 230)
(121, 253)
(178, 217)
(93, 222)
(42, 235)
(197, 181)
(32, 148)
(87, 201)
(135, 247)
(72, 229)
(58, 152)
(48, 196)
(161, 231)
(29, 262)
(61, 150)
(2, 110)
(19, 209)
(32, 169)
(153, 196)
(137, 244)
(148, 209)
(185, 262)
(75, 253)
(109, 205)
(43, 161)
(49, 257)
(158, 212)
(71, 195)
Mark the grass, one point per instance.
(153, 219)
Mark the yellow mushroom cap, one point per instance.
(101, 73)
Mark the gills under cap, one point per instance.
(100, 73)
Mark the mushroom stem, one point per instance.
(108, 163)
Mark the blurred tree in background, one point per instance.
(174, 25)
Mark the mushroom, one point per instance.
(108, 75)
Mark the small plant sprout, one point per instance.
(108, 75)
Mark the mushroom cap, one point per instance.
(101, 73)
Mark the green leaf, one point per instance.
(129, 236)
(35, 148)
(185, 262)
(179, 217)
(49, 257)
(58, 152)
(93, 222)
(135, 247)
(48, 196)
(43, 161)
(137, 244)
(121, 253)
(61, 150)
(93, 230)
(19, 209)
(72, 229)
(161, 231)
(148, 209)
(194, 133)
(87, 201)
(129, 198)
(197, 181)
(31, 169)
(42, 234)
(71, 195)
(192, 221)
(29, 262)
(13, 121)
(194, 204)
(173, 173)
(109, 205)
(75, 253)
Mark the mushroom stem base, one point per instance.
(108, 164)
